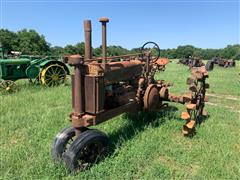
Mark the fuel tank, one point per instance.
(116, 71)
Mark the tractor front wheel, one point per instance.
(88, 148)
(53, 75)
(8, 87)
(62, 142)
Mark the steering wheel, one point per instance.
(149, 48)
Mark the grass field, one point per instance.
(151, 148)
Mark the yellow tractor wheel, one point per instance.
(53, 75)
(8, 87)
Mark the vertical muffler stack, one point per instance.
(88, 39)
(104, 21)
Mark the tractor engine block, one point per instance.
(119, 94)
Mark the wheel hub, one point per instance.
(55, 78)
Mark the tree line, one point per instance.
(32, 43)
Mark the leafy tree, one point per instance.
(30, 42)
(57, 51)
(97, 51)
(116, 50)
(111, 51)
(136, 50)
(8, 39)
(231, 51)
(185, 51)
(80, 48)
(70, 49)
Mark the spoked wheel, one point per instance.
(88, 148)
(53, 75)
(195, 107)
(8, 87)
(62, 142)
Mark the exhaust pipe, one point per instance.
(88, 39)
(104, 21)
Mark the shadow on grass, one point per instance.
(136, 124)
(201, 119)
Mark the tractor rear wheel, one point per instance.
(88, 148)
(8, 87)
(53, 75)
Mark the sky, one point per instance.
(170, 23)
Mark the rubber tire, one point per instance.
(232, 64)
(194, 63)
(70, 156)
(209, 66)
(60, 142)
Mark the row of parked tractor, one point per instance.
(197, 62)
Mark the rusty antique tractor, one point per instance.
(191, 62)
(222, 62)
(103, 88)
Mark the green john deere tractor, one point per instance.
(48, 71)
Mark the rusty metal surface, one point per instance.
(88, 39)
(115, 71)
(104, 21)
(195, 104)
(151, 98)
(94, 96)
(121, 57)
(162, 61)
(163, 93)
(185, 116)
(75, 60)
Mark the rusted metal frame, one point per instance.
(113, 57)
(175, 98)
(78, 91)
(203, 91)
(94, 96)
(129, 107)
(87, 120)
(78, 96)
(78, 81)
(73, 93)
(148, 69)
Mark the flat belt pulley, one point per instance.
(151, 98)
